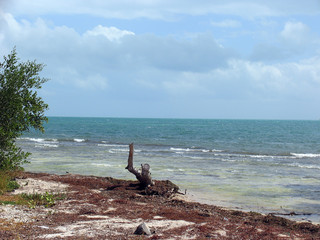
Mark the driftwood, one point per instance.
(144, 177)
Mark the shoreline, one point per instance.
(290, 215)
(100, 207)
(202, 198)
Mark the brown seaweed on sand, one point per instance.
(108, 208)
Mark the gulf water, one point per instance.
(267, 166)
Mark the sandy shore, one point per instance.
(107, 208)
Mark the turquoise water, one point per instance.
(259, 165)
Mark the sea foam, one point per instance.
(45, 145)
(305, 155)
(304, 166)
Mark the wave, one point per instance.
(180, 150)
(43, 142)
(165, 150)
(45, 145)
(274, 155)
(118, 150)
(101, 164)
(40, 140)
(260, 156)
(36, 139)
(304, 166)
(305, 155)
(105, 144)
(102, 145)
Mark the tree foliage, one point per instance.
(20, 107)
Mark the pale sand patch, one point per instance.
(111, 209)
(21, 213)
(182, 197)
(222, 233)
(30, 186)
(105, 225)
(168, 224)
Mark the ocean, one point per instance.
(268, 166)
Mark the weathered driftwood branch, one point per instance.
(144, 177)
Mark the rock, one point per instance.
(142, 229)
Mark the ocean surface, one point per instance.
(267, 166)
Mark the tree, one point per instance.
(20, 107)
(144, 177)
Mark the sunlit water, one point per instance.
(264, 166)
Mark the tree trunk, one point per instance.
(144, 177)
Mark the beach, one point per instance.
(108, 208)
(266, 166)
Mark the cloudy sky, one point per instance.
(246, 59)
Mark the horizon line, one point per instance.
(187, 118)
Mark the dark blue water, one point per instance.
(261, 165)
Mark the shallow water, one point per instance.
(265, 166)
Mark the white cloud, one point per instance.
(295, 33)
(77, 59)
(93, 82)
(201, 53)
(111, 33)
(131, 68)
(227, 24)
(245, 80)
(295, 39)
(199, 64)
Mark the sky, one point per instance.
(229, 59)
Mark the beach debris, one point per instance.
(143, 176)
(44, 227)
(142, 229)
